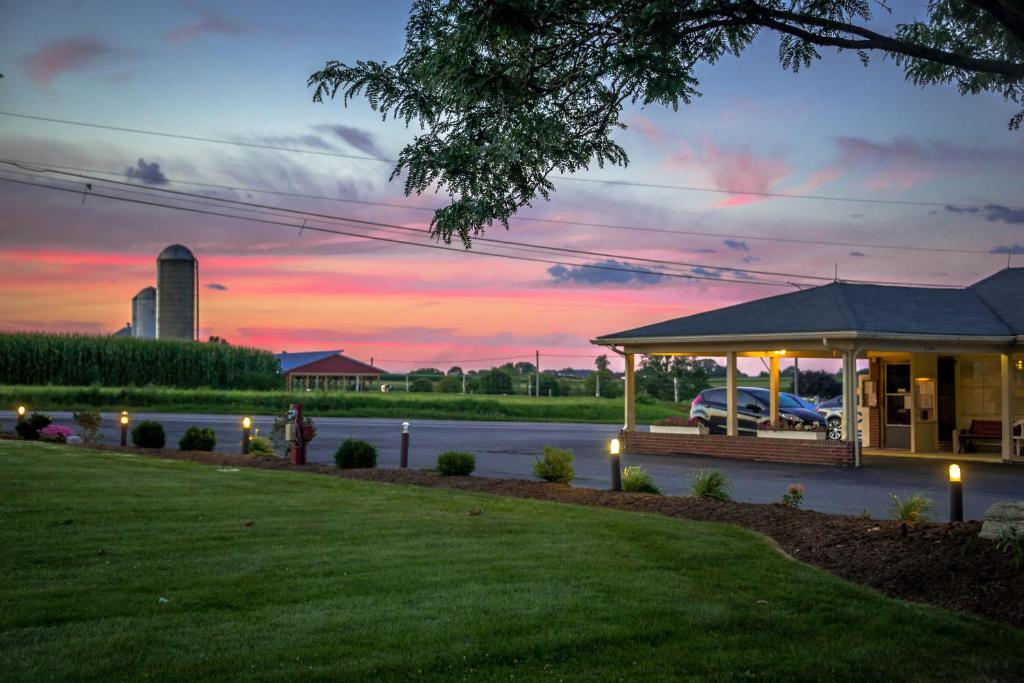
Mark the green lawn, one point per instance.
(335, 404)
(340, 579)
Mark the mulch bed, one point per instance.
(946, 565)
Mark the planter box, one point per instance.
(792, 435)
(666, 429)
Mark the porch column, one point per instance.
(849, 396)
(773, 388)
(731, 421)
(1006, 404)
(630, 393)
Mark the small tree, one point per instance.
(601, 363)
(89, 421)
(452, 384)
(455, 370)
(421, 385)
(497, 381)
(819, 383)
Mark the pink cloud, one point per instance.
(70, 54)
(646, 128)
(735, 170)
(209, 23)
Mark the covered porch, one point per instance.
(939, 369)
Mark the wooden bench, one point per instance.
(981, 430)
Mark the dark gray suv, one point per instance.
(753, 402)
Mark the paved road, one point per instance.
(507, 449)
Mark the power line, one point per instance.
(555, 221)
(385, 239)
(624, 183)
(527, 245)
(195, 138)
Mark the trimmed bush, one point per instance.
(261, 446)
(421, 385)
(456, 463)
(355, 454)
(556, 466)
(30, 426)
(198, 439)
(636, 479)
(915, 508)
(711, 484)
(149, 434)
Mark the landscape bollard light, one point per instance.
(246, 432)
(404, 461)
(21, 413)
(956, 495)
(124, 428)
(614, 448)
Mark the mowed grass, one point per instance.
(346, 580)
(335, 403)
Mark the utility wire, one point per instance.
(565, 250)
(554, 221)
(625, 183)
(88, 193)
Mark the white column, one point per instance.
(773, 388)
(630, 393)
(1006, 404)
(731, 419)
(849, 396)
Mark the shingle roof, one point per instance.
(990, 308)
(290, 361)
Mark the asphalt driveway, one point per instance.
(508, 449)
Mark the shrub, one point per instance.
(711, 484)
(56, 433)
(198, 439)
(915, 508)
(794, 496)
(636, 479)
(452, 384)
(496, 382)
(421, 385)
(29, 427)
(556, 466)
(149, 434)
(356, 453)
(456, 463)
(89, 421)
(1011, 542)
(261, 446)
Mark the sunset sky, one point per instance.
(237, 71)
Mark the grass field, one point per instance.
(335, 404)
(122, 566)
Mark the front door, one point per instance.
(898, 405)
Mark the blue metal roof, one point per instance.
(290, 361)
(990, 308)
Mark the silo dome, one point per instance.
(176, 293)
(144, 313)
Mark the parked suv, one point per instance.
(753, 408)
(832, 411)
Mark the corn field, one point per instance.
(77, 360)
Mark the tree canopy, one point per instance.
(508, 92)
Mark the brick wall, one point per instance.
(740, 448)
(875, 414)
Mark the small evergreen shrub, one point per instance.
(794, 496)
(198, 439)
(149, 434)
(89, 422)
(355, 453)
(914, 508)
(260, 446)
(30, 426)
(1011, 542)
(456, 463)
(711, 484)
(636, 479)
(556, 466)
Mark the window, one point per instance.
(979, 386)
(715, 396)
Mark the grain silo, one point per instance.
(144, 314)
(177, 294)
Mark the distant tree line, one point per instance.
(81, 360)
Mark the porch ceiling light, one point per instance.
(780, 352)
(1020, 364)
(954, 472)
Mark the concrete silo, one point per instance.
(177, 294)
(144, 314)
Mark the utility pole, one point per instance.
(407, 384)
(537, 365)
(796, 376)
(597, 384)
(675, 389)
(463, 383)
